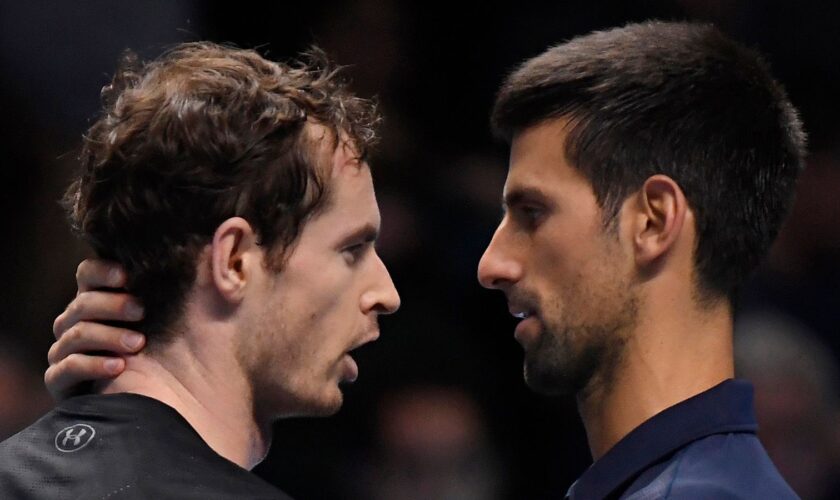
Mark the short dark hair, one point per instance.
(679, 99)
(203, 133)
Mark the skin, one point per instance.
(614, 318)
(554, 261)
(612, 311)
(325, 303)
(290, 332)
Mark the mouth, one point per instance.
(370, 337)
(528, 328)
(349, 369)
(520, 311)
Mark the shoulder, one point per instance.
(119, 448)
(725, 466)
(41, 460)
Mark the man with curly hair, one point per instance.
(651, 167)
(235, 193)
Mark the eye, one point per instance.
(353, 253)
(530, 216)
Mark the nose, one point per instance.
(498, 268)
(383, 297)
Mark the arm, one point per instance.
(85, 349)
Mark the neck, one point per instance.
(207, 388)
(669, 357)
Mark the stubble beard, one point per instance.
(270, 355)
(581, 345)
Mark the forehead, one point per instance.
(538, 160)
(339, 163)
(352, 198)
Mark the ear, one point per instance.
(660, 214)
(234, 257)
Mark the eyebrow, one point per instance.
(367, 233)
(520, 195)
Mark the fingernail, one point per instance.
(114, 366)
(132, 340)
(134, 311)
(115, 277)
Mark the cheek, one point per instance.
(323, 294)
(325, 317)
(576, 287)
(336, 317)
(330, 303)
(316, 290)
(556, 272)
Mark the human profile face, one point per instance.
(564, 274)
(322, 304)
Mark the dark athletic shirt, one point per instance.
(702, 448)
(120, 446)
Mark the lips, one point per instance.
(371, 337)
(528, 328)
(521, 310)
(350, 370)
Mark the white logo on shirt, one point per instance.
(74, 438)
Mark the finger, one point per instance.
(85, 337)
(63, 379)
(98, 306)
(97, 273)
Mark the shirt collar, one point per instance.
(725, 408)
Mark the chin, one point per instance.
(326, 405)
(553, 371)
(550, 383)
(301, 404)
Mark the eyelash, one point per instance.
(530, 215)
(353, 252)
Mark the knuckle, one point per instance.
(52, 354)
(58, 323)
(73, 308)
(49, 376)
(80, 269)
(72, 334)
(74, 362)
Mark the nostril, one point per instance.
(497, 275)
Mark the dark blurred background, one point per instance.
(440, 410)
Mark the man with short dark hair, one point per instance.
(650, 169)
(235, 194)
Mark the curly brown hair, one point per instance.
(203, 133)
